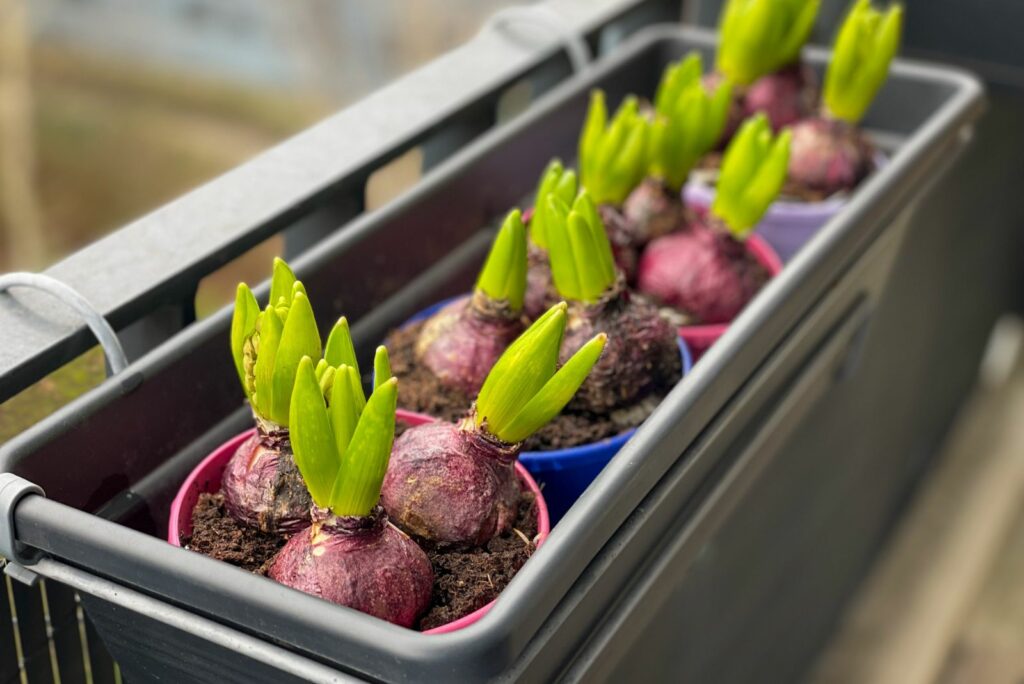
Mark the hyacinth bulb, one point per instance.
(362, 562)
(461, 342)
(455, 485)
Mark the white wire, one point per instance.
(106, 336)
(545, 18)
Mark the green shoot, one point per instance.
(340, 350)
(503, 278)
(381, 367)
(525, 389)
(557, 180)
(753, 172)
(758, 37)
(582, 263)
(243, 323)
(268, 345)
(864, 47)
(342, 450)
(612, 156)
(281, 283)
(688, 122)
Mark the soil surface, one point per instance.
(467, 580)
(420, 390)
(464, 580)
(217, 535)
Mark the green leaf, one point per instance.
(689, 122)
(357, 486)
(582, 263)
(555, 394)
(560, 252)
(592, 136)
(340, 350)
(243, 325)
(548, 180)
(311, 437)
(299, 338)
(345, 407)
(281, 282)
(381, 367)
(613, 160)
(270, 328)
(758, 37)
(522, 370)
(753, 173)
(801, 25)
(864, 47)
(326, 379)
(503, 277)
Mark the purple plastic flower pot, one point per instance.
(787, 225)
(206, 478)
(566, 473)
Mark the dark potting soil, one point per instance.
(420, 390)
(217, 535)
(467, 580)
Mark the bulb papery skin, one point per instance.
(785, 97)
(702, 271)
(653, 210)
(262, 485)
(462, 341)
(361, 562)
(829, 156)
(540, 290)
(451, 485)
(640, 355)
(623, 238)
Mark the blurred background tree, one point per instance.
(111, 108)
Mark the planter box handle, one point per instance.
(12, 490)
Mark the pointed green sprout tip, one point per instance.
(582, 263)
(340, 351)
(503, 277)
(555, 180)
(525, 389)
(758, 37)
(281, 282)
(243, 325)
(381, 367)
(688, 121)
(752, 175)
(299, 337)
(342, 449)
(612, 155)
(864, 47)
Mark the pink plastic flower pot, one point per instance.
(206, 478)
(699, 338)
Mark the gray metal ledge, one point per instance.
(143, 277)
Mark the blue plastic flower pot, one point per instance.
(564, 474)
